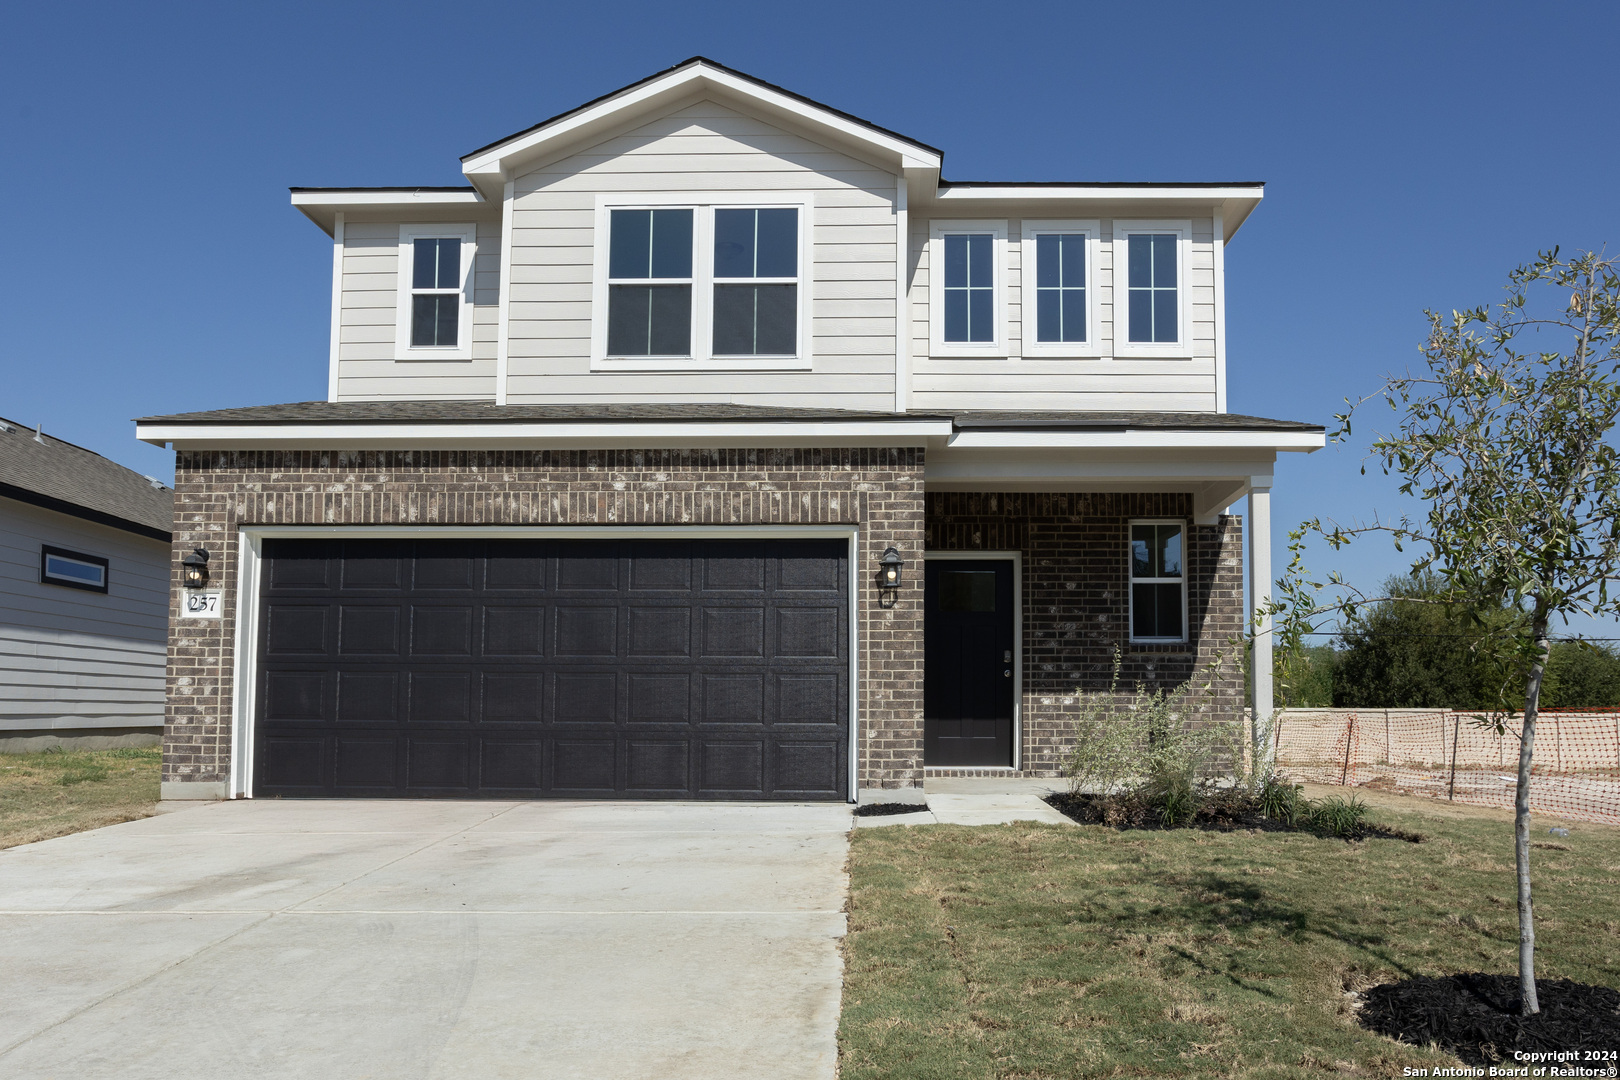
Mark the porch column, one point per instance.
(1259, 529)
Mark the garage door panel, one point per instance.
(441, 697)
(368, 697)
(647, 669)
(441, 631)
(511, 697)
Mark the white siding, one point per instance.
(71, 658)
(705, 147)
(1182, 383)
(369, 299)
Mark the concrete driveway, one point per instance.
(428, 939)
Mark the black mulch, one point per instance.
(1214, 815)
(1476, 1016)
(883, 809)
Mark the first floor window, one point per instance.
(1154, 307)
(650, 283)
(436, 292)
(970, 288)
(1158, 582)
(73, 569)
(1060, 287)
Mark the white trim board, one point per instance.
(1017, 560)
(250, 539)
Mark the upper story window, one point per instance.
(1153, 261)
(1158, 581)
(711, 285)
(435, 292)
(966, 288)
(756, 274)
(1059, 288)
(72, 569)
(650, 283)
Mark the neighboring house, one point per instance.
(84, 596)
(622, 439)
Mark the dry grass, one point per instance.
(1044, 951)
(53, 794)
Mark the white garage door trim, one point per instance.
(250, 550)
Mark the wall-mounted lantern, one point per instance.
(194, 569)
(889, 567)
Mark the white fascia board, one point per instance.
(1178, 469)
(322, 207)
(491, 163)
(1037, 193)
(1140, 439)
(518, 435)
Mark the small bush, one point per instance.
(1334, 816)
(1281, 801)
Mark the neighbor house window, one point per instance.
(718, 284)
(965, 294)
(435, 292)
(650, 283)
(1154, 280)
(1158, 598)
(756, 281)
(72, 569)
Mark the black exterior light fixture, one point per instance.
(194, 569)
(889, 567)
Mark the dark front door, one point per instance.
(653, 669)
(968, 662)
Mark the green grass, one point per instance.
(53, 794)
(1047, 951)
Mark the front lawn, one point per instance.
(1049, 951)
(56, 793)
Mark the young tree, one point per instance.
(1510, 448)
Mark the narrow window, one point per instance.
(1153, 305)
(970, 288)
(1158, 583)
(650, 283)
(436, 293)
(72, 569)
(1060, 287)
(756, 273)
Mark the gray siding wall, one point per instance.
(1184, 383)
(369, 306)
(705, 147)
(71, 658)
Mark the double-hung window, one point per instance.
(1150, 257)
(1059, 290)
(1158, 598)
(966, 289)
(435, 292)
(716, 285)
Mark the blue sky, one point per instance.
(1413, 153)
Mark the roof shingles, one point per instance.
(48, 472)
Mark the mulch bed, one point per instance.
(883, 809)
(1475, 1016)
(1215, 815)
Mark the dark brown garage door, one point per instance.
(562, 669)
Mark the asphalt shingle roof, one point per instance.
(352, 412)
(61, 476)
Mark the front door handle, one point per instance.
(1007, 674)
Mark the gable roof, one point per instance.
(489, 163)
(47, 472)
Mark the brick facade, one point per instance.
(218, 492)
(1076, 578)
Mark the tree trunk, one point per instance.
(1528, 1003)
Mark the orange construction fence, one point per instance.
(1449, 754)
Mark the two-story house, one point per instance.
(709, 444)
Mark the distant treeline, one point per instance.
(1401, 654)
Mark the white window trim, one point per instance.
(1131, 579)
(1091, 229)
(467, 233)
(703, 204)
(937, 231)
(1123, 346)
